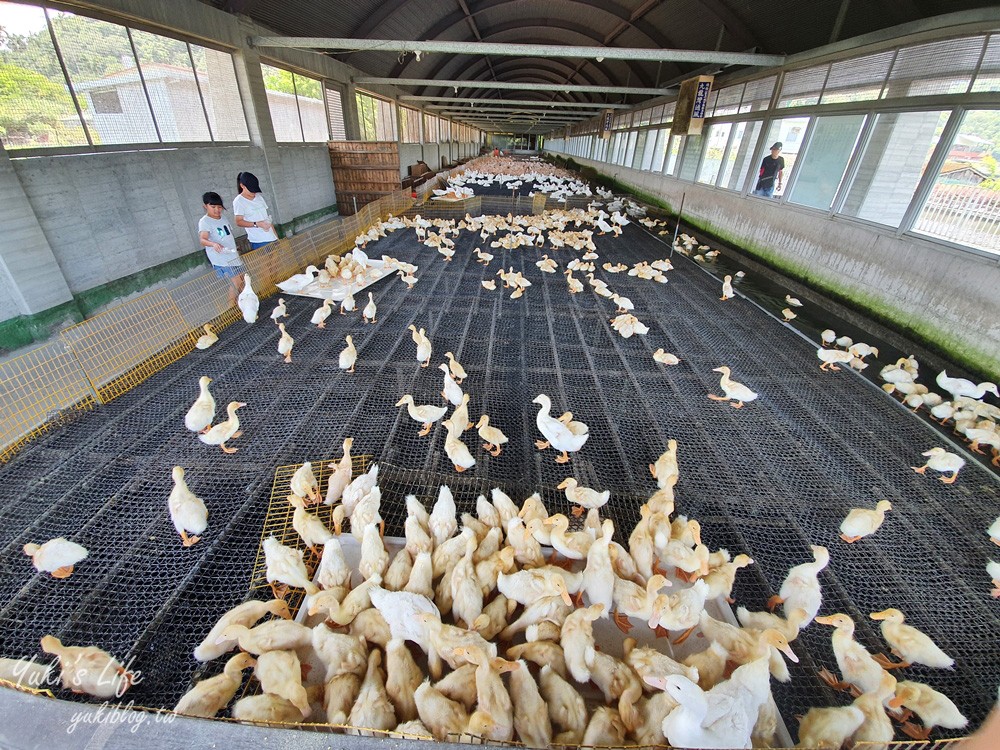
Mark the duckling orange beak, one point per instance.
(897, 702)
(566, 597)
(563, 484)
(825, 620)
(883, 615)
(660, 683)
(398, 403)
(787, 651)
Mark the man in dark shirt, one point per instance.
(771, 171)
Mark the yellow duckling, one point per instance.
(341, 477)
(495, 615)
(577, 640)
(858, 667)
(583, 497)
(187, 511)
(457, 371)
(494, 715)
(563, 434)
(273, 635)
(403, 677)
(445, 718)
(266, 708)
(934, 709)
(207, 339)
(606, 728)
(348, 355)
(210, 696)
(599, 575)
(489, 285)
(246, 614)
(88, 669)
(457, 451)
(830, 358)
(319, 317)
(451, 392)
(720, 580)
(340, 693)
(225, 431)
(567, 709)
(373, 709)
(308, 526)
(492, 436)
(423, 345)
(285, 566)
(633, 600)
(531, 714)
(285, 343)
(370, 309)
(801, 587)
(619, 682)
(788, 627)
(908, 643)
(665, 357)
(304, 484)
(348, 304)
(572, 545)
(727, 289)
(788, 315)
(527, 586)
(466, 592)
(199, 417)
(861, 522)
(745, 646)
(344, 612)
(57, 556)
(279, 311)
(941, 460)
(280, 674)
(734, 391)
(829, 727)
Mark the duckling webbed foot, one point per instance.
(915, 731)
(279, 590)
(226, 449)
(459, 469)
(426, 430)
(541, 444)
(563, 459)
(717, 398)
(949, 480)
(886, 663)
(64, 572)
(624, 624)
(919, 469)
(577, 511)
(737, 405)
(236, 434)
(774, 601)
(830, 679)
(187, 541)
(849, 539)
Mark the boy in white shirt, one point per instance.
(251, 211)
(217, 238)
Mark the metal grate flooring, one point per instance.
(768, 480)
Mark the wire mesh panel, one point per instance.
(122, 347)
(206, 299)
(35, 390)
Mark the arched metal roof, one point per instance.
(777, 27)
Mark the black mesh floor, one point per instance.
(768, 480)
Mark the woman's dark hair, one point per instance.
(247, 180)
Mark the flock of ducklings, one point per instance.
(409, 642)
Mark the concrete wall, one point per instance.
(947, 297)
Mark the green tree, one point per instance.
(276, 79)
(31, 106)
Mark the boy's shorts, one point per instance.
(229, 272)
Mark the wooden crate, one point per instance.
(363, 171)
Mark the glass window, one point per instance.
(660, 149)
(640, 147)
(376, 117)
(409, 125)
(964, 205)
(673, 153)
(788, 131)
(739, 155)
(718, 136)
(689, 160)
(430, 129)
(312, 110)
(99, 59)
(823, 166)
(988, 77)
(856, 80)
(629, 149)
(36, 109)
(280, 87)
(944, 67)
(220, 92)
(173, 90)
(892, 163)
(757, 95)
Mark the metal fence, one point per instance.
(968, 214)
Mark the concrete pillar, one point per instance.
(30, 278)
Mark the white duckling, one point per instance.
(466, 592)
(941, 460)
(280, 673)
(633, 600)
(308, 526)
(962, 387)
(862, 522)
(408, 278)
(493, 437)
(457, 451)
(426, 414)
(207, 339)
(248, 301)
(348, 304)
(321, 313)
(303, 483)
(527, 586)
(599, 576)
(665, 470)
(370, 309)
(373, 708)
(57, 556)
(489, 285)
(908, 643)
(88, 669)
(225, 431)
(187, 511)
(279, 311)
(665, 357)
(266, 708)
(199, 417)
(285, 343)
(442, 523)
(830, 358)
(444, 717)
(423, 346)
(727, 289)
(829, 727)
(788, 314)
(994, 532)
(794, 302)
(285, 566)
(451, 391)
(858, 667)
(531, 714)
(801, 588)
(572, 545)
(333, 571)
(341, 476)
(246, 614)
(583, 497)
(457, 371)
(566, 436)
(844, 342)
(734, 391)
(546, 264)
(210, 696)
(348, 355)
(934, 709)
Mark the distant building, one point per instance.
(969, 148)
(957, 173)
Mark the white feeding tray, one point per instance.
(337, 288)
(607, 636)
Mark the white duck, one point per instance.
(321, 313)
(583, 497)
(248, 302)
(207, 339)
(801, 588)
(279, 311)
(566, 436)
(426, 414)
(348, 304)
(941, 460)
(962, 387)
(225, 431)
(457, 451)
(727, 289)
(285, 343)
(341, 476)
(187, 511)
(451, 391)
(734, 391)
(57, 556)
(299, 281)
(370, 309)
(199, 417)
(348, 355)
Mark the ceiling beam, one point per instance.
(370, 81)
(504, 49)
(521, 102)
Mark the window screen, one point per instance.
(335, 114)
(802, 87)
(944, 67)
(857, 80)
